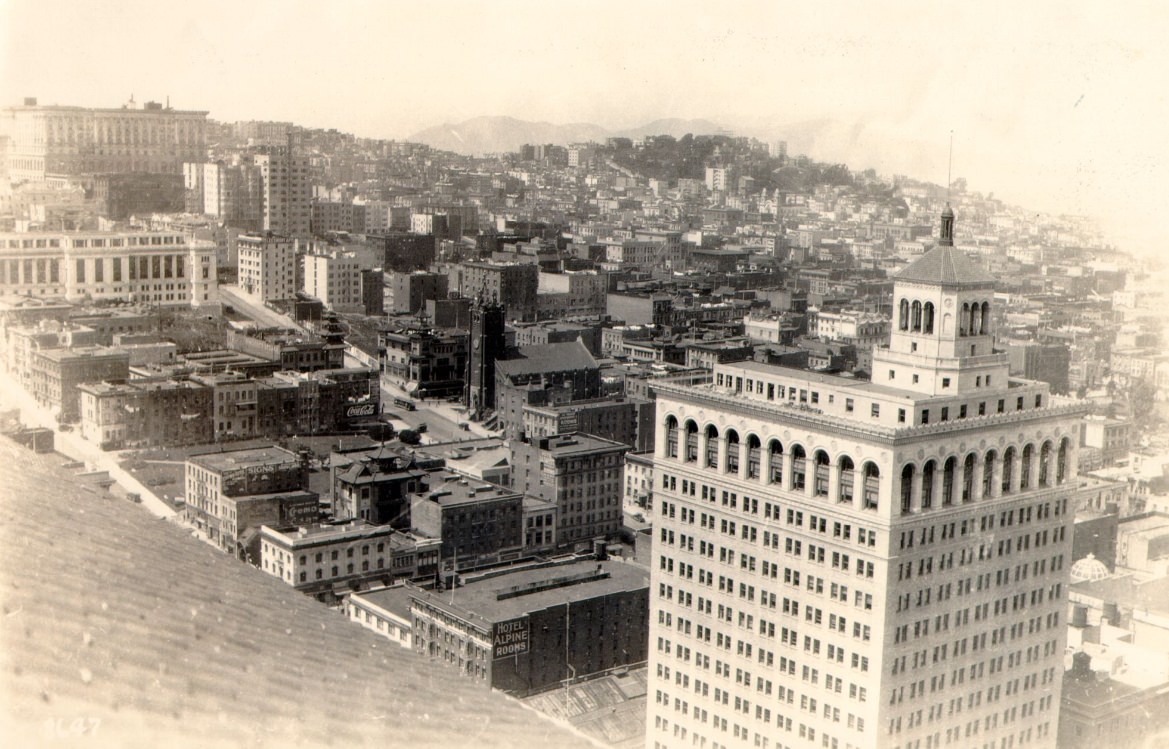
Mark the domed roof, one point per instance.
(1089, 568)
(948, 266)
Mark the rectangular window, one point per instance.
(892, 374)
(80, 271)
(945, 382)
(925, 416)
(848, 405)
(945, 413)
(901, 416)
(117, 264)
(99, 271)
(876, 410)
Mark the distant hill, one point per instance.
(482, 135)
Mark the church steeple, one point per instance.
(947, 238)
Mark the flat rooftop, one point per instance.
(572, 444)
(480, 598)
(247, 458)
(457, 489)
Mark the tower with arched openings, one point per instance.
(866, 563)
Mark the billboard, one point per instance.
(509, 638)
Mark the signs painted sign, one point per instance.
(509, 638)
(363, 409)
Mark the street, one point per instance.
(441, 417)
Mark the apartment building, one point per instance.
(267, 266)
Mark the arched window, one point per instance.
(732, 451)
(948, 470)
(985, 326)
(928, 317)
(964, 320)
(927, 484)
(903, 321)
(775, 447)
(907, 489)
(1025, 469)
(691, 442)
(1008, 469)
(822, 467)
(711, 446)
(975, 320)
(844, 493)
(916, 316)
(1045, 464)
(799, 467)
(968, 478)
(1061, 462)
(988, 473)
(753, 452)
(671, 437)
(872, 486)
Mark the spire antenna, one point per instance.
(950, 167)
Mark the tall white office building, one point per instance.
(865, 563)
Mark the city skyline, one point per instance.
(1051, 110)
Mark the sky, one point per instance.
(1055, 106)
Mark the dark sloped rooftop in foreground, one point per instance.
(119, 623)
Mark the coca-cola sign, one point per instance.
(364, 409)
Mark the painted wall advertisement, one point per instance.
(509, 638)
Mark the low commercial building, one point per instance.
(534, 628)
(146, 413)
(56, 374)
(582, 475)
(411, 291)
(229, 495)
(385, 611)
(479, 523)
(293, 349)
(571, 294)
(328, 560)
(629, 422)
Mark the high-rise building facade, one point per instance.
(267, 267)
(851, 563)
(287, 207)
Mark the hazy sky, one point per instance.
(1054, 105)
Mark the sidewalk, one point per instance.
(70, 444)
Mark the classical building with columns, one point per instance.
(844, 562)
(159, 268)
